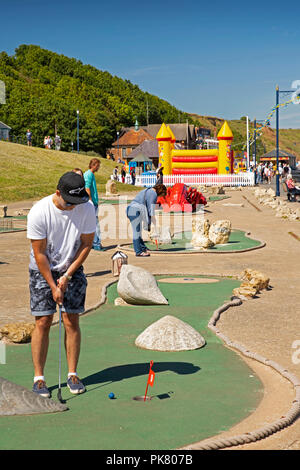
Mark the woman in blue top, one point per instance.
(142, 210)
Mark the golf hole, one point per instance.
(142, 398)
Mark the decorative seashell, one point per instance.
(139, 287)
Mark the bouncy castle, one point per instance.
(195, 162)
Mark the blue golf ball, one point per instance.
(111, 395)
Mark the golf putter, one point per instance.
(59, 397)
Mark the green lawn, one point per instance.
(32, 173)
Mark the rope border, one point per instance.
(265, 431)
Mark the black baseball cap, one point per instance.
(72, 188)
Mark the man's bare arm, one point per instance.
(89, 192)
(39, 251)
(81, 255)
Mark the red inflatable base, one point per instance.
(212, 158)
(194, 171)
(180, 198)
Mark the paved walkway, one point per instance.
(268, 325)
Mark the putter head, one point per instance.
(59, 397)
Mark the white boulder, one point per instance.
(170, 334)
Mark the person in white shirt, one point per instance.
(61, 228)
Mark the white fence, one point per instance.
(240, 179)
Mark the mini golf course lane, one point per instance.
(196, 394)
(238, 241)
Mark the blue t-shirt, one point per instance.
(146, 199)
(90, 183)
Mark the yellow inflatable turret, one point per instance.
(164, 149)
(225, 137)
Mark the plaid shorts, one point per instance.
(41, 300)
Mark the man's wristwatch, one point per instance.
(67, 276)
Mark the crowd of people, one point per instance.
(265, 172)
(48, 142)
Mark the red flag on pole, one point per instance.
(151, 377)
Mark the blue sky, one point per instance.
(215, 58)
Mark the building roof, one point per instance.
(281, 153)
(4, 126)
(149, 149)
(179, 130)
(132, 138)
(141, 158)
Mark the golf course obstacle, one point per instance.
(170, 334)
(138, 286)
(18, 400)
(195, 162)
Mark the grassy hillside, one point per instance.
(289, 139)
(31, 173)
(44, 91)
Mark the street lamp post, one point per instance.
(277, 136)
(254, 147)
(248, 156)
(118, 144)
(77, 131)
(277, 142)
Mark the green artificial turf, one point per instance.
(238, 241)
(196, 394)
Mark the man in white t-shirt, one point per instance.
(61, 228)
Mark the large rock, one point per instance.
(17, 332)
(162, 235)
(220, 231)
(200, 225)
(18, 400)
(202, 241)
(200, 230)
(139, 287)
(216, 190)
(170, 334)
(256, 279)
(111, 188)
(245, 291)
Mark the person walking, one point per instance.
(259, 181)
(115, 173)
(29, 138)
(132, 174)
(142, 211)
(57, 142)
(160, 176)
(123, 174)
(61, 228)
(91, 188)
